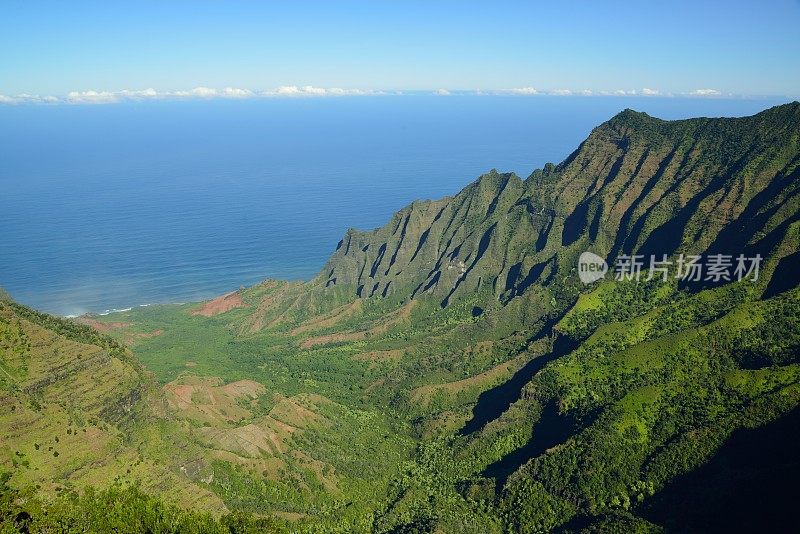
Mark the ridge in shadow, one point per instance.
(493, 402)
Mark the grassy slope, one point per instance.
(76, 411)
(335, 453)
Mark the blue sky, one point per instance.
(172, 46)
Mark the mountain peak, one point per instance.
(631, 114)
(629, 118)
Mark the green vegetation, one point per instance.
(447, 372)
(116, 509)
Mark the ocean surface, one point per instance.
(112, 206)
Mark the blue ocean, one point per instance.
(113, 206)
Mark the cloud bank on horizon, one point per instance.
(294, 91)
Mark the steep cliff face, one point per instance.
(640, 184)
(636, 185)
(442, 248)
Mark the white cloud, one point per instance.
(197, 92)
(524, 91)
(552, 92)
(631, 92)
(572, 92)
(202, 92)
(293, 90)
(235, 92)
(705, 92)
(316, 91)
(135, 95)
(109, 97)
(25, 98)
(310, 90)
(336, 91)
(287, 90)
(37, 99)
(92, 97)
(106, 97)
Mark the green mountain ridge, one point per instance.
(449, 372)
(636, 184)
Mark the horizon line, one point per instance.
(310, 91)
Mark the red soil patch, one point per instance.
(220, 304)
(205, 399)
